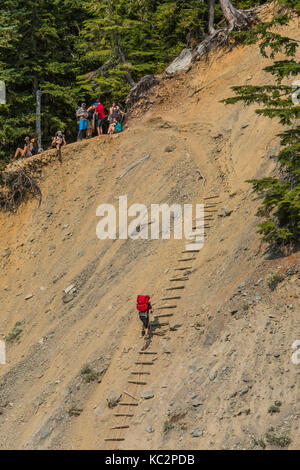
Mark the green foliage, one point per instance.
(83, 50)
(15, 333)
(37, 45)
(74, 411)
(89, 374)
(278, 440)
(294, 5)
(275, 98)
(149, 33)
(270, 42)
(260, 442)
(167, 426)
(280, 208)
(280, 196)
(274, 280)
(273, 409)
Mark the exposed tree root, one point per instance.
(142, 87)
(15, 186)
(238, 19)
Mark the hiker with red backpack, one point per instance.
(144, 307)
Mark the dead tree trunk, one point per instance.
(38, 95)
(38, 119)
(123, 61)
(237, 19)
(211, 17)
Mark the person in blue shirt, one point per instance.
(82, 116)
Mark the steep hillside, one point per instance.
(226, 355)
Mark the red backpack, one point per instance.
(142, 303)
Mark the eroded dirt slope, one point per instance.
(226, 354)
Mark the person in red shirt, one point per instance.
(100, 116)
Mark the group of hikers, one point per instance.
(31, 146)
(90, 120)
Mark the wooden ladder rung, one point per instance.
(164, 315)
(211, 197)
(165, 306)
(140, 373)
(196, 225)
(182, 269)
(115, 439)
(128, 404)
(172, 298)
(147, 352)
(179, 279)
(175, 288)
(124, 414)
(119, 427)
(137, 383)
(186, 259)
(144, 363)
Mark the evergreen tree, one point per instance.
(281, 196)
(128, 39)
(80, 50)
(37, 51)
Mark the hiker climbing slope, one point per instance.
(144, 307)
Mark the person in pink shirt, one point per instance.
(100, 116)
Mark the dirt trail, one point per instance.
(231, 357)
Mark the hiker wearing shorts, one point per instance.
(115, 113)
(58, 141)
(26, 151)
(91, 120)
(115, 127)
(100, 116)
(82, 116)
(144, 307)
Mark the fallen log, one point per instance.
(133, 165)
